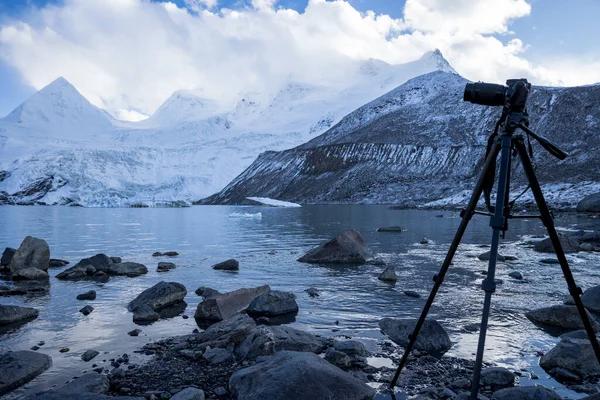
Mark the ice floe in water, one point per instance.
(246, 215)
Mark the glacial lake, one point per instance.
(267, 241)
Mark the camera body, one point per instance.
(513, 95)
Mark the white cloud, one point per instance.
(126, 55)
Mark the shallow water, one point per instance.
(267, 246)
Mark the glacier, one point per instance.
(58, 149)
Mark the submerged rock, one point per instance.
(15, 314)
(228, 304)
(388, 275)
(130, 269)
(19, 367)
(313, 292)
(33, 253)
(279, 378)
(273, 303)
(227, 265)
(562, 316)
(349, 247)
(516, 274)
(432, 337)
(568, 244)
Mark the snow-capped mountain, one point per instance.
(57, 148)
(422, 144)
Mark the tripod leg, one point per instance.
(498, 223)
(439, 278)
(548, 221)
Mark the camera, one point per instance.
(513, 95)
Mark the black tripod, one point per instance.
(505, 143)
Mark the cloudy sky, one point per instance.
(128, 56)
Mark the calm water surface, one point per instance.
(267, 246)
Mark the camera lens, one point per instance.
(486, 94)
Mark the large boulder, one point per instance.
(130, 269)
(7, 256)
(159, 296)
(30, 274)
(432, 337)
(589, 203)
(273, 303)
(562, 316)
(526, 393)
(348, 248)
(88, 269)
(100, 262)
(575, 354)
(233, 330)
(591, 299)
(190, 393)
(15, 314)
(19, 367)
(497, 378)
(228, 304)
(290, 375)
(267, 340)
(568, 244)
(33, 253)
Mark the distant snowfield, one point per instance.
(272, 202)
(56, 148)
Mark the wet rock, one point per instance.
(116, 260)
(30, 274)
(280, 376)
(228, 304)
(230, 331)
(432, 337)
(157, 254)
(390, 229)
(159, 296)
(135, 332)
(87, 310)
(7, 256)
(89, 295)
(563, 316)
(145, 314)
(526, 393)
(591, 299)
(349, 247)
(569, 245)
(170, 254)
(15, 314)
(516, 274)
(33, 253)
(497, 378)
(207, 292)
(64, 350)
(388, 275)
(563, 375)
(220, 391)
(165, 266)
(19, 367)
(88, 383)
(190, 393)
(486, 257)
(351, 347)
(89, 355)
(549, 261)
(217, 355)
(57, 263)
(574, 355)
(337, 358)
(267, 340)
(87, 268)
(589, 204)
(100, 262)
(273, 303)
(130, 269)
(312, 292)
(227, 265)
(411, 293)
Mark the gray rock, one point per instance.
(77, 273)
(220, 391)
(165, 266)
(497, 378)
(190, 393)
(432, 337)
(159, 296)
(233, 330)
(412, 293)
(351, 347)
(563, 316)
(207, 292)
(116, 260)
(572, 354)
(135, 332)
(30, 274)
(526, 393)
(279, 378)
(348, 248)
(170, 254)
(312, 292)
(516, 274)
(267, 340)
(87, 310)
(424, 241)
(145, 314)
(589, 204)
(130, 269)
(569, 245)
(89, 355)
(19, 367)
(337, 358)
(57, 263)
(227, 265)
(33, 253)
(89, 295)
(217, 355)
(591, 299)
(100, 262)
(228, 304)
(486, 257)
(388, 275)
(15, 314)
(549, 261)
(390, 229)
(88, 383)
(7, 256)
(273, 303)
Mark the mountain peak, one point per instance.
(436, 57)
